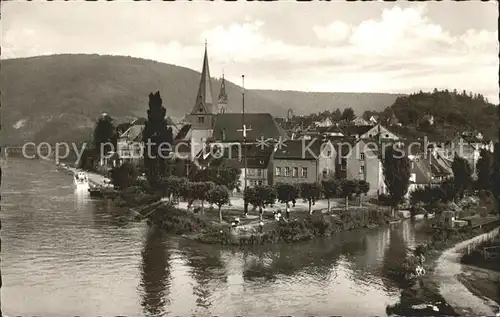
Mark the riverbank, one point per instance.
(300, 227)
(436, 293)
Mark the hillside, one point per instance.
(453, 112)
(304, 103)
(57, 97)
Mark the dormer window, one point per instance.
(201, 109)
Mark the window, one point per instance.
(329, 154)
(343, 165)
(361, 169)
(201, 119)
(304, 171)
(295, 172)
(278, 171)
(362, 156)
(412, 165)
(325, 173)
(260, 183)
(259, 172)
(287, 171)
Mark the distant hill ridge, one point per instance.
(58, 97)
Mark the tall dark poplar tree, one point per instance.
(157, 138)
(484, 167)
(104, 133)
(396, 169)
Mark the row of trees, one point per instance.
(262, 196)
(336, 115)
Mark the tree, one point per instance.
(348, 114)
(337, 115)
(261, 196)
(362, 188)
(218, 196)
(484, 168)
(396, 171)
(346, 188)
(171, 186)
(105, 137)
(187, 191)
(225, 172)
(87, 160)
(448, 191)
(158, 138)
(124, 175)
(200, 192)
(287, 193)
(248, 198)
(461, 175)
(330, 189)
(310, 192)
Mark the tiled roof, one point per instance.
(299, 150)
(134, 133)
(183, 132)
(330, 129)
(257, 157)
(353, 130)
(261, 125)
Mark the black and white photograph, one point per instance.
(249, 158)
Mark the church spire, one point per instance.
(204, 103)
(222, 94)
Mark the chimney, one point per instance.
(223, 134)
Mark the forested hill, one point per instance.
(58, 97)
(452, 111)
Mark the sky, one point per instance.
(319, 46)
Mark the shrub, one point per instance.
(177, 221)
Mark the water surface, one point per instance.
(64, 254)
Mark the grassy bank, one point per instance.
(303, 227)
(418, 296)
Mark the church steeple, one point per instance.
(222, 99)
(204, 103)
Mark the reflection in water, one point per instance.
(395, 254)
(207, 270)
(81, 197)
(155, 273)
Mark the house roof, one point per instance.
(422, 170)
(330, 129)
(359, 121)
(261, 125)
(299, 150)
(183, 133)
(134, 133)
(257, 157)
(353, 130)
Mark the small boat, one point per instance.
(96, 192)
(81, 179)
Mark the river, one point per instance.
(64, 254)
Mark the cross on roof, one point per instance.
(244, 130)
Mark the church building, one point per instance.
(220, 121)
